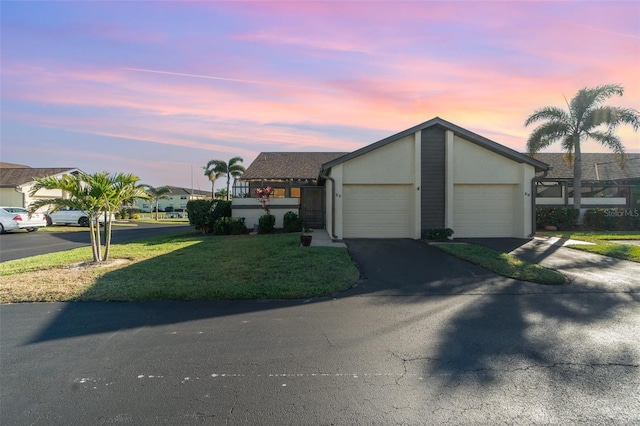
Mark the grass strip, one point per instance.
(192, 267)
(503, 263)
(601, 243)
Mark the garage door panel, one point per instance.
(377, 211)
(483, 210)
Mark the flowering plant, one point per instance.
(263, 197)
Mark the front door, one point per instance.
(312, 207)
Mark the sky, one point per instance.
(159, 88)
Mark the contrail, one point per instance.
(237, 80)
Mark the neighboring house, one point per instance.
(177, 199)
(16, 181)
(293, 177)
(605, 181)
(434, 175)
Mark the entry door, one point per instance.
(312, 207)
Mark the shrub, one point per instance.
(199, 212)
(229, 225)
(439, 234)
(132, 213)
(266, 224)
(220, 209)
(168, 209)
(562, 218)
(292, 222)
(613, 219)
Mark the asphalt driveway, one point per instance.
(406, 267)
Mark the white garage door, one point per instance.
(377, 211)
(483, 210)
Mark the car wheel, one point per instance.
(83, 221)
(2, 231)
(31, 229)
(49, 221)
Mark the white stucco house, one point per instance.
(16, 181)
(433, 175)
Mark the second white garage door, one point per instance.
(483, 210)
(377, 211)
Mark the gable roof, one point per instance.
(459, 131)
(595, 166)
(288, 165)
(11, 177)
(178, 190)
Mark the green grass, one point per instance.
(184, 268)
(601, 243)
(503, 264)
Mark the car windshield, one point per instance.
(15, 210)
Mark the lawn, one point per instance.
(503, 263)
(187, 267)
(602, 243)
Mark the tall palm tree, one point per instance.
(586, 118)
(157, 194)
(221, 168)
(94, 193)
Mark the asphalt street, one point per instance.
(442, 342)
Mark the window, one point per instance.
(278, 193)
(295, 192)
(183, 197)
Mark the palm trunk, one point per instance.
(95, 247)
(107, 235)
(577, 179)
(228, 182)
(96, 230)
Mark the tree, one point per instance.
(219, 168)
(221, 194)
(212, 175)
(99, 193)
(586, 118)
(157, 194)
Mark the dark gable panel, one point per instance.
(432, 184)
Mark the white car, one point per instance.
(12, 218)
(71, 216)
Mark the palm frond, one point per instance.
(609, 140)
(547, 113)
(545, 135)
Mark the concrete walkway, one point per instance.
(321, 238)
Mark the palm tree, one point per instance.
(212, 174)
(586, 118)
(96, 194)
(219, 168)
(157, 194)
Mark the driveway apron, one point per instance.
(586, 271)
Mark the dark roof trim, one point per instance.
(437, 121)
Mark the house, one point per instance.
(294, 179)
(430, 176)
(433, 175)
(606, 182)
(177, 199)
(16, 181)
